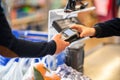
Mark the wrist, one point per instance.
(93, 31)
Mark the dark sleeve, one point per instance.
(33, 49)
(108, 28)
(21, 47)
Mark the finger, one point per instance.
(58, 35)
(67, 43)
(77, 27)
(82, 35)
(70, 25)
(74, 26)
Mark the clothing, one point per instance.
(108, 11)
(108, 28)
(21, 47)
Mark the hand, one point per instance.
(84, 31)
(60, 44)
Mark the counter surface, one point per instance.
(104, 63)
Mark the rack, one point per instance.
(28, 12)
(28, 19)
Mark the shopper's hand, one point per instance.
(84, 31)
(60, 44)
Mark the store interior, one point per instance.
(29, 19)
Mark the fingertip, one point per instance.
(67, 43)
(59, 35)
(72, 25)
(81, 35)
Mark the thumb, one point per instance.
(67, 43)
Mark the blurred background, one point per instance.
(33, 15)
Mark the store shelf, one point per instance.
(28, 14)
(28, 19)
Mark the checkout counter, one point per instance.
(104, 63)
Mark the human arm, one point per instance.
(108, 28)
(100, 30)
(26, 48)
(38, 49)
